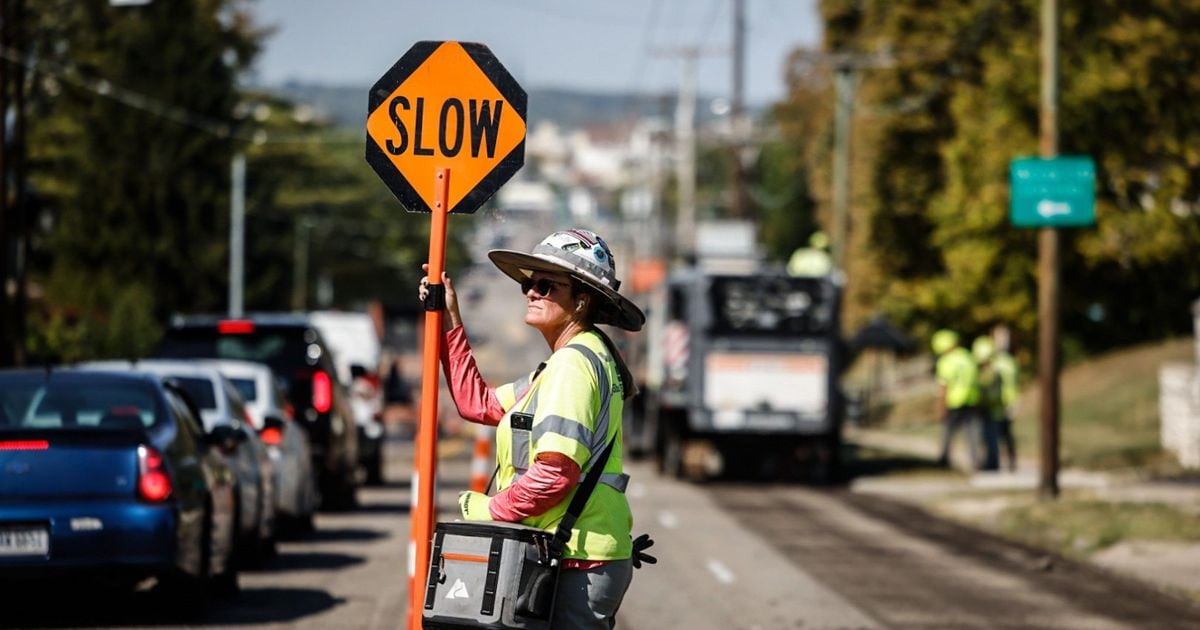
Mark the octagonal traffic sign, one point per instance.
(446, 105)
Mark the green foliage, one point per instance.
(135, 115)
(934, 134)
(786, 209)
(137, 199)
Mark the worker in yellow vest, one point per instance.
(990, 404)
(555, 423)
(958, 392)
(1007, 390)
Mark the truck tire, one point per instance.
(671, 461)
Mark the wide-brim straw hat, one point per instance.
(585, 257)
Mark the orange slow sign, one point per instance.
(446, 105)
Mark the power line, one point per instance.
(223, 129)
(709, 22)
(635, 85)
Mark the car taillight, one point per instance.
(154, 484)
(24, 445)
(322, 391)
(271, 436)
(235, 327)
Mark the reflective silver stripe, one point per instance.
(519, 387)
(565, 427)
(600, 437)
(617, 481)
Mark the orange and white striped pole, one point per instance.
(481, 458)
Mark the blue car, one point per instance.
(110, 474)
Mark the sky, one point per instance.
(604, 46)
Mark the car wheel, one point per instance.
(185, 592)
(375, 469)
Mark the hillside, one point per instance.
(346, 105)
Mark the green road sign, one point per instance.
(1053, 192)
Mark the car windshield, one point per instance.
(103, 405)
(245, 387)
(199, 389)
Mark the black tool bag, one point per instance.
(500, 575)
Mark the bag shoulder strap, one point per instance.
(592, 477)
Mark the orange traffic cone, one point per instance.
(481, 458)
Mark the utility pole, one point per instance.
(845, 86)
(5, 224)
(685, 158)
(20, 170)
(1048, 293)
(300, 265)
(847, 68)
(739, 126)
(237, 234)
(685, 147)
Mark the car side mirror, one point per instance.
(226, 437)
(357, 371)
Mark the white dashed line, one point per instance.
(721, 572)
(636, 490)
(668, 520)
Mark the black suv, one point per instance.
(294, 350)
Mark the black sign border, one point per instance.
(504, 83)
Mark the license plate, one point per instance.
(24, 541)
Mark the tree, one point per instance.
(935, 133)
(132, 128)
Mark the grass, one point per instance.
(1109, 410)
(1080, 526)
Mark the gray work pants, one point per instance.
(589, 599)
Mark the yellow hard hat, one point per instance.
(983, 349)
(818, 240)
(943, 341)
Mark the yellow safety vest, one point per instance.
(958, 371)
(572, 405)
(1006, 368)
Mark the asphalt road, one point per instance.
(732, 555)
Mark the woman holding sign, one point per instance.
(558, 421)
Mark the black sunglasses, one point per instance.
(543, 286)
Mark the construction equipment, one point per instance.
(745, 380)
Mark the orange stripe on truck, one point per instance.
(462, 557)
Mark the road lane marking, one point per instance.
(636, 490)
(720, 571)
(668, 520)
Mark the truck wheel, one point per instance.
(671, 463)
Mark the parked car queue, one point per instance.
(182, 470)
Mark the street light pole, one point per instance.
(237, 235)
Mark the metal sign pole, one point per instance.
(424, 500)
